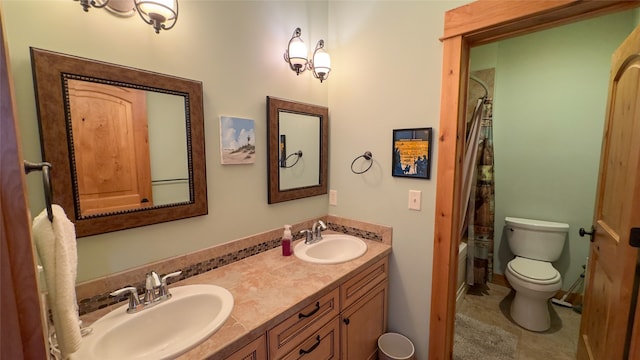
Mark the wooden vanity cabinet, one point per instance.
(364, 312)
(255, 350)
(342, 324)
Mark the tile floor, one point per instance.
(491, 306)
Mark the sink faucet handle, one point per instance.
(164, 291)
(134, 302)
(308, 236)
(170, 275)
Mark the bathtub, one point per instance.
(462, 273)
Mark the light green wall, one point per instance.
(549, 108)
(235, 48)
(388, 64)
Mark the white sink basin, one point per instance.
(163, 331)
(332, 249)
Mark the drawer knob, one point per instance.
(301, 315)
(346, 321)
(313, 347)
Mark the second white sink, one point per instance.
(332, 249)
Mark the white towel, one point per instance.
(56, 245)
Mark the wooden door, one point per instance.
(22, 329)
(111, 147)
(609, 308)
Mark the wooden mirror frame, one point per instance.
(48, 70)
(470, 25)
(274, 106)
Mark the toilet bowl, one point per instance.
(535, 244)
(535, 282)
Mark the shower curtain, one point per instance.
(481, 209)
(478, 188)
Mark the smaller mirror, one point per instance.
(298, 139)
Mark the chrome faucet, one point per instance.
(317, 229)
(156, 291)
(315, 234)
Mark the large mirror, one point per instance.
(126, 145)
(298, 140)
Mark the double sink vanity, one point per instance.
(328, 301)
(236, 300)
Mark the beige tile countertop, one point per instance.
(267, 288)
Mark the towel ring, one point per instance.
(297, 154)
(46, 180)
(367, 156)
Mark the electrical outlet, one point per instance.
(333, 197)
(415, 200)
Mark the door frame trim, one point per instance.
(477, 23)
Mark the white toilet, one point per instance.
(536, 244)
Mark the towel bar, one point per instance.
(44, 167)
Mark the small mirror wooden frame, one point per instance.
(49, 70)
(275, 107)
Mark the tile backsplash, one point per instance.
(94, 295)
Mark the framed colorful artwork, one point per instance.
(237, 140)
(412, 153)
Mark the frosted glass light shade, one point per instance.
(297, 52)
(322, 62)
(164, 9)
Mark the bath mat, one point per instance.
(479, 341)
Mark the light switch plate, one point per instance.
(333, 197)
(415, 200)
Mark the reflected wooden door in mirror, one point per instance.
(298, 140)
(127, 145)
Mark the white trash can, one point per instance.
(393, 346)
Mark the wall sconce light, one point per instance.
(320, 63)
(296, 53)
(158, 13)
(161, 14)
(296, 56)
(86, 4)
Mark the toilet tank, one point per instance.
(536, 239)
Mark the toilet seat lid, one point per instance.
(536, 270)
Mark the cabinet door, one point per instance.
(363, 323)
(255, 350)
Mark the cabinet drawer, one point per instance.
(362, 283)
(284, 337)
(322, 345)
(255, 350)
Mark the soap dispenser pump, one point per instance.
(286, 241)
